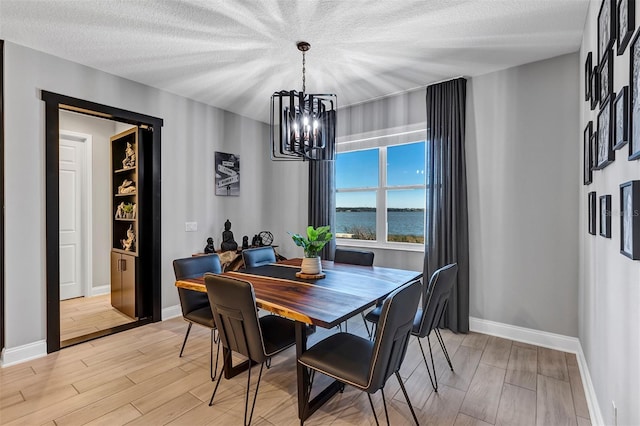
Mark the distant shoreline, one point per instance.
(373, 209)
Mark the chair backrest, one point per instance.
(392, 333)
(233, 303)
(353, 257)
(190, 267)
(258, 256)
(435, 298)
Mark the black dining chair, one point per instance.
(434, 302)
(366, 364)
(233, 303)
(354, 257)
(195, 305)
(258, 256)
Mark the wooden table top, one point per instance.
(345, 291)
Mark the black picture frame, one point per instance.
(605, 216)
(595, 87)
(587, 153)
(625, 23)
(588, 69)
(606, 27)
(605, 77)
(630, 219)
(592, 213)
(227, 174)
(593, 143)
(634, 98)
(621, 119)
(604, 140)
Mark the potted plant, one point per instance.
(314, 242)
(129, 211)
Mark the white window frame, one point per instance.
(377, 142)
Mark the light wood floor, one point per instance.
(136, 377)
(85, 315)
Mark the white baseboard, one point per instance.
(100, 290)
(11, 356)
(546, 340)
(171, 312)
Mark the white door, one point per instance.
(71, 164)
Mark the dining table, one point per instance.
(343, 291)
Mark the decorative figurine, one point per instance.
(245, 242)
(130, 157)
(130, 241)
(228, 243)
(120, 211)
(127, 187)
(209, 248)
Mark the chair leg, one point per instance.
(217, 355)
(384, 404)
(185, 338)
(365, 325)
(255, 396)
(444, 348)
(211, 372)
(215, 389)
(373, 409)
(406, 396)
(426, 364)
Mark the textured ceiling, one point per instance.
(234, 54)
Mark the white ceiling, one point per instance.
(234, 54)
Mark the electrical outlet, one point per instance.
(191, 226)
(615, 413)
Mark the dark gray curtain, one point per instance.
(322, 190)
(447, 233)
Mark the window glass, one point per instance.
(357, 169)
(405, 215)
(405, 164)
(356, 215)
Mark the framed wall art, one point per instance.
(625, 23)
(605, 216)
(588, 69)
(592, 213)
(630, 219)
(605, 155)
(605, 74)
(621, 119)
(606, 29)
(634, 99)
(588, 151)
(595, 88)
(227, 174)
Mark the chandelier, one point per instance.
(303, 125)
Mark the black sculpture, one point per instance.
(209, 248)
(228, 243)
(245, 242)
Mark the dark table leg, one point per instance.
(231, 370)
(305, 407)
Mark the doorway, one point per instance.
(57, 181)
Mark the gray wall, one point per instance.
(522, 171)
(273, 195)
(609, 293)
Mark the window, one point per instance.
(380, 194)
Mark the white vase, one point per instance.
(311, 265)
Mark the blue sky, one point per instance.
(359, 169)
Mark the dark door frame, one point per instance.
(151, 264)
(2, 195)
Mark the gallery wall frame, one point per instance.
(588, 70)
(605, 216)
(621, 118)
(592, 212)
(605, 74)
(588, 153)
(227, 174)
(604, 151)
(625, 23)
(606, 26)
(634, 98)
(595, 87)
(630, 219)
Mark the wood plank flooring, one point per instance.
(85, 315)
(136, 377)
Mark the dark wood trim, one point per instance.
(105, 332)
(2, 195)
(53, 103)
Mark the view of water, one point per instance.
(400, 222)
